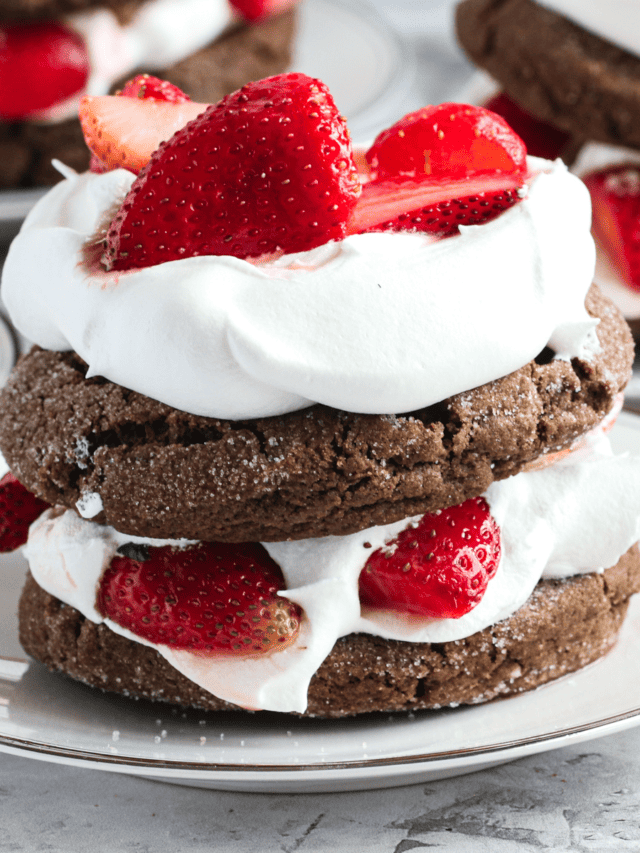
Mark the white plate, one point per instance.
(366, 64)
(49, 717)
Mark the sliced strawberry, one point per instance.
(208, 598)
(450, 141)
(145, 86)
(19, 508)
(542, 139)
(124, 132)
(433, 207)
(41, 64)
(257, 10)
(615, 198)
(268, 168)
(440, 568)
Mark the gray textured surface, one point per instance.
(582, 799)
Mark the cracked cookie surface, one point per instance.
(164, 473)
(564, 626)
(564, 75)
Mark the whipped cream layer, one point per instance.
(377, 323)
(617, 21)
(161, 33)
(579, 515)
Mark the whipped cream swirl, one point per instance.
(377, 323)
(551, 524)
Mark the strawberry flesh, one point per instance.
(267, 169)
(433, 207)
(123, 133)
(19, 508)
(615, 199)
(439, 568)
(41, 64)
(209, 599)
(450, 141)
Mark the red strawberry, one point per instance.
(208, 598)
(615, 198)
(542, 139)
(449, 141)
(439, 568)
(41, 64)
(145, 86)
(432, 207)
(268, 168)
(123, 133)
(19, 508)
(256, 10)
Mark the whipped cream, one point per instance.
(377, 323)
(617, 21)
(551, 524)
(161, 33)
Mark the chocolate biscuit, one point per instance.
(554, 68)
(565, 625)
(164, 473)
(243, 53)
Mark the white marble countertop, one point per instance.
(581, 798)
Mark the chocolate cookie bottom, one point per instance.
(565, 625)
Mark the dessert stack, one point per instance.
(312, 430)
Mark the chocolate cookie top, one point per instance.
(564, 626)
(164, 473)
(555, 69)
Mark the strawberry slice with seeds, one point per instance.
(267, 169)
(258, 10)
(123, 132)
(449, 141)
(615, 199)
(41, 64)
(440, 568)
(145, 86)
(436, 207)
(19, 508)
(210, 599)
(542, 139)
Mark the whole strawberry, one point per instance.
(267, 169)
(440, 568)
(19, 508)
(207, 599)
